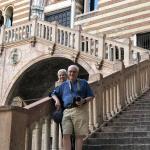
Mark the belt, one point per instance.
(71, 106)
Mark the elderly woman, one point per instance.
(62, 76)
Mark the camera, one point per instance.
(77, 99)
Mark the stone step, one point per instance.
(126, 128)
(135, 112)
(139, 104)
(141, 107)
(119, 134)
(142, 102)
(125, 140)
(125, 119)
(128, 115)
(128, 123)
(117, 147)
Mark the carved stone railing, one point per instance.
(98, 46)
(117, 91)
(28, 128)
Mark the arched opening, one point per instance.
(39, 79)
(9, 16)
(1, 19)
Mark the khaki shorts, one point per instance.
(76, 117)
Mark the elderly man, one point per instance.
(75, 94)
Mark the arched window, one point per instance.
(9, 17)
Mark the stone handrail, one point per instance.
(94, 45)
(116, 91)
(26, 128)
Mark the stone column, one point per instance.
(12, 127)
(85, 6)
(73, 12)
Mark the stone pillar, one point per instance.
(101, 48)
(127, 53)
(73, 12)
(85, 6)
(13, 122)
(47, 134)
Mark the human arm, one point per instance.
(57, 102)
(56, 95)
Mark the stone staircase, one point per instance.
(129, 130)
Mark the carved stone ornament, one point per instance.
(15, 56)
(76, 56)
(99, 64)
(51, 49)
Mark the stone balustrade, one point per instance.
(29, 128)
(98, 46)
(116, 91)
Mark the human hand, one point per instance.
(57, 105)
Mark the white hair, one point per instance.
(62, 71)
(73, 67)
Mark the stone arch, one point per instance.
(20, 73)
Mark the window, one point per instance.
(62, 17)
(93, 4)
(9, 17)
(143, 40)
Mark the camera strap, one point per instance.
(78, 86)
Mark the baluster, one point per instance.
(91, 123)
(60, 139)
(45, 32)
(69, 34)
(65, 37)
(46, 134)
(115, 98)
(28, 139)
(16, 34)
(61, 38)
(55, 140)
(89, 45)
(96, 48)
(71, 40)
(112, 99)
(66, 44)
(42, 31)
(118, 104)
(95, 113)
(73, 44)
(104, 103)
(11, 35)
(38, 136)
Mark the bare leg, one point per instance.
(79, 142)
(66, 142)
